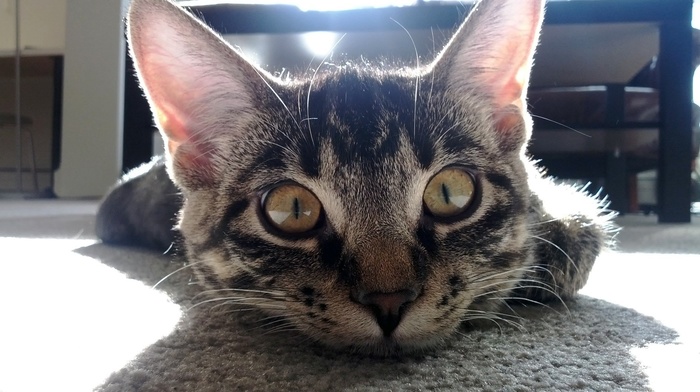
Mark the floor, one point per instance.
(59, 271)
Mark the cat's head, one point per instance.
(373, 208)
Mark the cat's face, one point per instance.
(373, 209)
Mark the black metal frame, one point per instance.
(672, 16)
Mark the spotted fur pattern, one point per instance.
(365, 141)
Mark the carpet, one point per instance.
(78, 315)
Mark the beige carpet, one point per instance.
(78, 315)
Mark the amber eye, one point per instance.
(291, 209)
(449, 193)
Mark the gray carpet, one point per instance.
(79, 315)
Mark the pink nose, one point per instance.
(388, 308)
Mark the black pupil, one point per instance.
(446, 193)
(297, 210)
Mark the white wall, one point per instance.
(92, 97)
(42, 25)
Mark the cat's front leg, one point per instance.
(564, 246)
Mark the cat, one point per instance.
(376, 209)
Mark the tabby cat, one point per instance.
(375, 209)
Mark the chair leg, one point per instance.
(34, 173)
(616, 182)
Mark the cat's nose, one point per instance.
(388, 308)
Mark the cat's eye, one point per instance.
(291, 209)
(449, 193)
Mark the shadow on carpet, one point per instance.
(589, 346)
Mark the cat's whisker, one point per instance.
(232, 300)
(189, 265)
(500, 314)
(506, 282)
(286, 108)
(558, 248)
(439, 123)
(254, 301)
(299, 91)
(229, 300)
(526, 268)
(280, 321)
(495, 317)
(241, 310)
(491, 319)
(165, 252)
(278, 317)
(449, 112)
(464, 335)
(444, 133)
(311, 83)
(271, 293)
(282, 147)
(543, 288)
(539, 285)
(308, 119)
(478, 278)
(541, 223)
(418, 76)
(238, 307)
(561, 125)
(243, 297)
(259, 305)
(547, 270)
(289, 328)
(432, 74)
(492, 292)
(532, 301)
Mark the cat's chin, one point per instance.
(390, 347)
(386, 346)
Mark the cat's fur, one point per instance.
(365, 141)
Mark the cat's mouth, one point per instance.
(388, 309)
(387, 324)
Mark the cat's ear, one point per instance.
(491, 55)
(199, 88)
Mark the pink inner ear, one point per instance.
(508, 121)
(505, 121)
(177, 76)
(173, 126)
(513, 63)
(509, 91)
(492, 52)
(197, 85)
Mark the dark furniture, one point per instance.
(33, 65)
(672, 17)
(610, 133)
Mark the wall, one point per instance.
(92, 98)
(42, 33)
(42, 25)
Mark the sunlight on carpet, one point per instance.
(75, 320)
(651, 284)
(670, 367)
